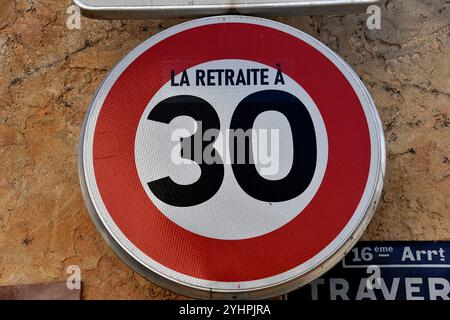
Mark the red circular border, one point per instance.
(231, 260)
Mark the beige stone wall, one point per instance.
(48, 75)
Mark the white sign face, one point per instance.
(231, 157)
(179, 8)
(221, 216)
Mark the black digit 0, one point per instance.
(211, 176)
(304, 146)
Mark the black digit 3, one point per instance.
(212, 174)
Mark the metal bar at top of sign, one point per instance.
(141, 9)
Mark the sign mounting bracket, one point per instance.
(144, 9)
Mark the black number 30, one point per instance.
(246, 174)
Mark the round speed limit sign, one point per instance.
(231, 157)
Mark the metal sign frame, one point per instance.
(142, 9)
(186, 285)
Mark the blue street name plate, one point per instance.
(394, 270)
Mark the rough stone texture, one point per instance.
(48, 75)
